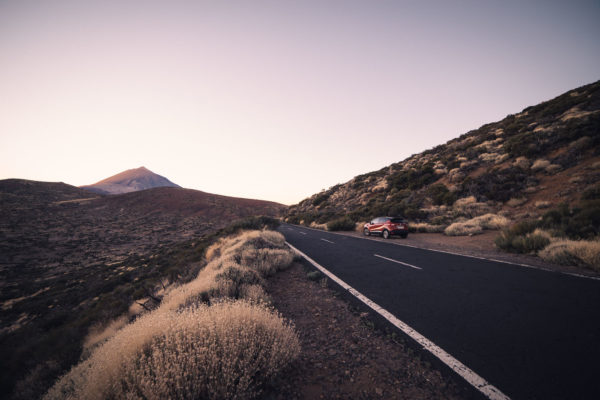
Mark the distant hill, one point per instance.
(189, 203)
(131, 180)
(520, 166)
(25, 193)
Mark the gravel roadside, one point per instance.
(343, 355)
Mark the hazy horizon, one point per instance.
(271, 100)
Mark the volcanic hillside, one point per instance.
(528, 162)
(70, 258)
(131, 180)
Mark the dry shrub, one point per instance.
(187, 349)
(491, 221)
(423, 227)
(224, 351)
(470, 207)
(516, 202)
(522, 162)
(466, 228)
(136, 308)
(552, 169)
(542, 204)
(456, 175)
(255, 294)
(573, 252)
(214, 250)
(262, 252)
(315, 225)
(267, 261)
(531, 189)
(531, 242)
(99, 334)
(540, 164)
(476, 225)
(495, 158)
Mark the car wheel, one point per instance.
(367, 232)
(385, 234)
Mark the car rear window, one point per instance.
(397, 220)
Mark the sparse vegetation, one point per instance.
(341, 224)
(476, 225)
(542, 204)
(102, 265)
(199, 342)
(530, 242)
(441, 195)
(497, 163)
(464, 228)
(563, 235)
(228, 350)
(540, 165)
(516, 201)
(423, 227)
(572, 252)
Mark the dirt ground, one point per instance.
(343, 356)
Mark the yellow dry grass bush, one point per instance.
(542, 204)
(540, 164)
(491, 221)
(214, 250)
(423, 227)
(516, 201)
(470, 207)
(215, 352)
(475, 226)
(198, 343)
(318, 226)
(573, 252)
(99, 334)
(465, 228)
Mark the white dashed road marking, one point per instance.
(328, 241)
(302, 233)
(396, 261)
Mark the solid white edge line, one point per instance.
(328, 241)
(396, 261)
(459, 254)
(488, 390)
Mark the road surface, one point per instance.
(532, 334)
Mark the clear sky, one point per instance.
(273, 100)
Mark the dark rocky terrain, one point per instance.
(70, 258)
(131, 180)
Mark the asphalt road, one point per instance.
(533, 334)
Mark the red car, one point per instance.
(387, 226)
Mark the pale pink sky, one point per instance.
(270, 99)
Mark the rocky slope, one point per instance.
(131, 180)
(520, 166)
(70, 258)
